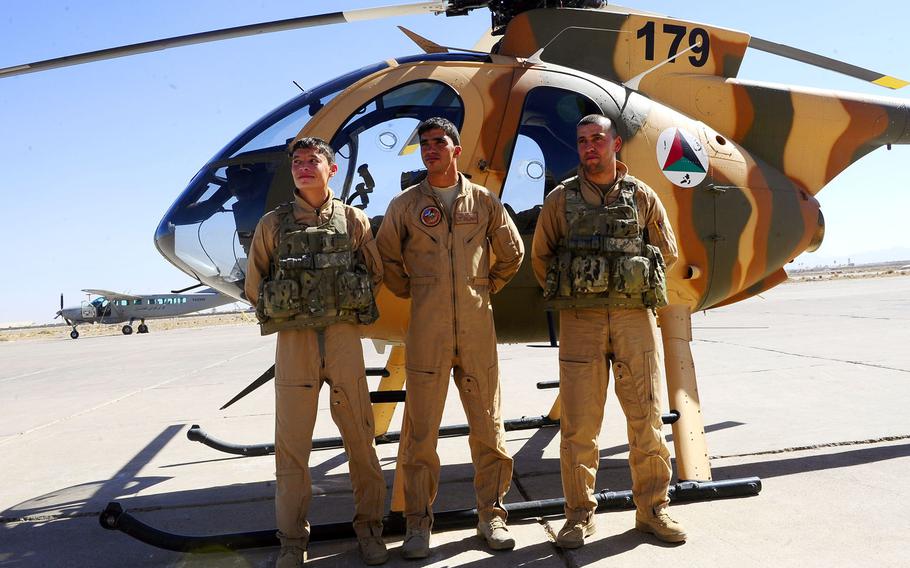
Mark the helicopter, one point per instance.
(116, 307)
(737, 163)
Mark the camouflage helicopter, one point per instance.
(736, 163)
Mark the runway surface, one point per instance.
(805, 387)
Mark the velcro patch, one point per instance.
(465, 217)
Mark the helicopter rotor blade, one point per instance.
(827, 63)
(228, 33)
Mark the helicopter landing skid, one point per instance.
(115, 518)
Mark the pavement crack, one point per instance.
(804, 356)
(567, 560)
(816, 447)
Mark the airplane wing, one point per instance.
(111, 295)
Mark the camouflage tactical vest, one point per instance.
(604, 259)
(315, 279)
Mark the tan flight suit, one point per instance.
(299, 372)
(588, 339)
(442, 262)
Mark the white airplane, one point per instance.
(113, 307)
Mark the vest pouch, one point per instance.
(294, 244)
(280, 298)
(332, 259)
(590, 274)
(552, 283)
(623, 228)
(631, 274)
(656, 295)
(354, 291)
(311, 296)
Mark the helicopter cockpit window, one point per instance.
(545, 151)
(277, 135)
(379, 142)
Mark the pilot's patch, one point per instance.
(430, 216)
(465, 217)
(681, 157)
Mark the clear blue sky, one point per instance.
(92, 156)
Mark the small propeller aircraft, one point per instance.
(737, 163)
(114, 307)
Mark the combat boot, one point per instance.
(573, 532)
(416, 542)
(661, 525)
(291, 557)
(496, 534)
(372, 550)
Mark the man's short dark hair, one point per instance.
(317, 144)
(599, 120)
(441, 123)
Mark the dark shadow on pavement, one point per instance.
(805, 464)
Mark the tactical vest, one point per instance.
(604, 259)
(315, 279)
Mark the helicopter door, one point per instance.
(538, 155)
(377, 148)
(545, 152)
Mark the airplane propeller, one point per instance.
(60, 313)
(502, 11)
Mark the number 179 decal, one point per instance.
(699, 42)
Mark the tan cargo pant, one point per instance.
(588, 339)
(477, 380)
(300, 371)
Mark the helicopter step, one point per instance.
(197, 434)
(115, 518)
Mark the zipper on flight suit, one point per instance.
(447, 215)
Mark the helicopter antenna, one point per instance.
(535, 57)
(302, 90)
(634, 81)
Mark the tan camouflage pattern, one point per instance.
(770, 148)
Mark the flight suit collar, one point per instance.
(434, 218)
(592, 193)
(425, 188)
(304, 212)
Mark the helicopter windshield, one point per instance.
(208, 231)
(211, 224)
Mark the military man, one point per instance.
(312, 265)
(599, 251)
(436, 242)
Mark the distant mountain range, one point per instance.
(812, 260)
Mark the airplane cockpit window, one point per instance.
(545, 151)
(379, 142)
